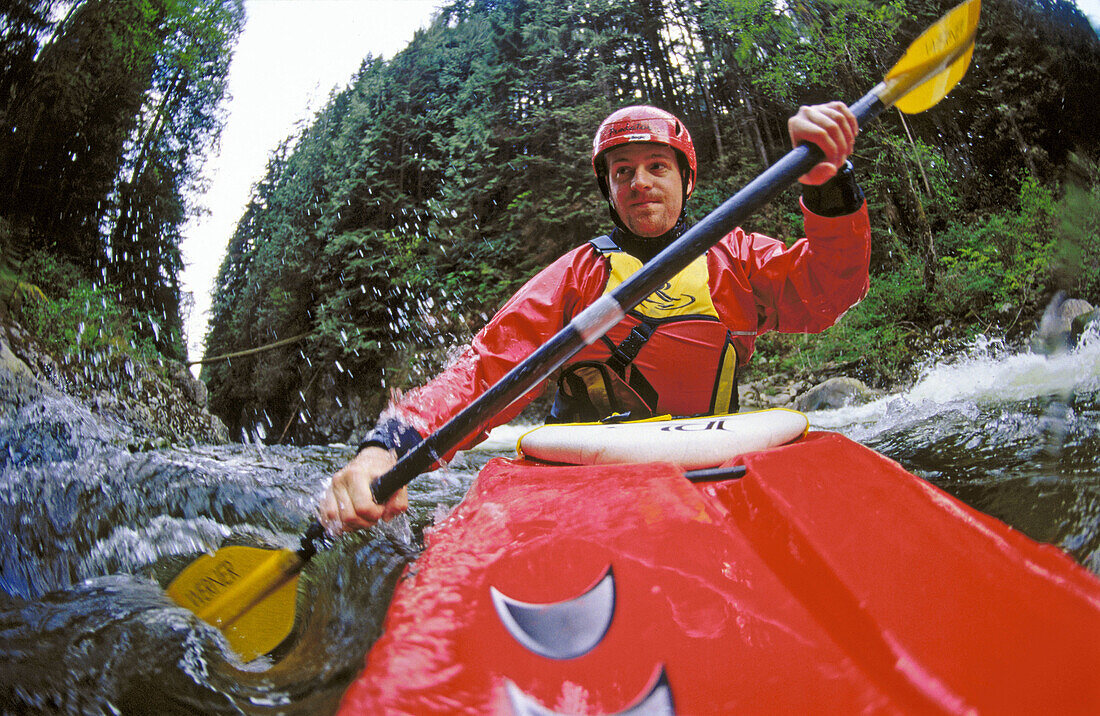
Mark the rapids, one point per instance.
(92, 531)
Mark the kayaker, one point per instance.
(679, 351)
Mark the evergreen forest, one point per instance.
(424, 193)
(108, 110)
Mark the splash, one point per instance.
(986, 375)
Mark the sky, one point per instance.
(1091, 9)
(291, 54)
(289, 57)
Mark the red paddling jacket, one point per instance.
(701, 326)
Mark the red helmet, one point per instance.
(643, 123)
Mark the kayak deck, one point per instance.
(828, 578)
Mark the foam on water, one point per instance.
(987, 374)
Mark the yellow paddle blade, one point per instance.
(248, 593)
(934, 62)
(932, 91)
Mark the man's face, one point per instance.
(646, 188)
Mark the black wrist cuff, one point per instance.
(836, 197)
(392, 434)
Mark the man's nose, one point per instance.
(642, 179)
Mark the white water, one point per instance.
(987, 374)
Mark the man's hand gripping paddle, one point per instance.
(249, 593)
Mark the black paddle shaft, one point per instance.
(607, 311)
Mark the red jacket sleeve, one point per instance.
(531, 317)
(758, 284)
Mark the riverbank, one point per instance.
(140, 405)
(769, 384)
(153, 405)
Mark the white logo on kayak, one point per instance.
(698, 427)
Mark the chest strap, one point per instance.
(623, 354)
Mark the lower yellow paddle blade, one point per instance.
(934, 62)
(249, 593)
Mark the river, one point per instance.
(92, 532)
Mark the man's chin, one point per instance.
(646, 229)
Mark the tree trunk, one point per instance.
(916, 156)
(928, 253)
(754, 128)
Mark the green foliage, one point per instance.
(877, 334)
(53, 274)
(1003, 259)
(87, 323)
(79, 321)
(993, 269)
(1077, 242)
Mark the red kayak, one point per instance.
(827, 578)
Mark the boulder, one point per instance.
(187, 383)
(1062, 324)
(18, 383)
(1082, 321)
(833, 393)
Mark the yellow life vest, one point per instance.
(671, 354)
